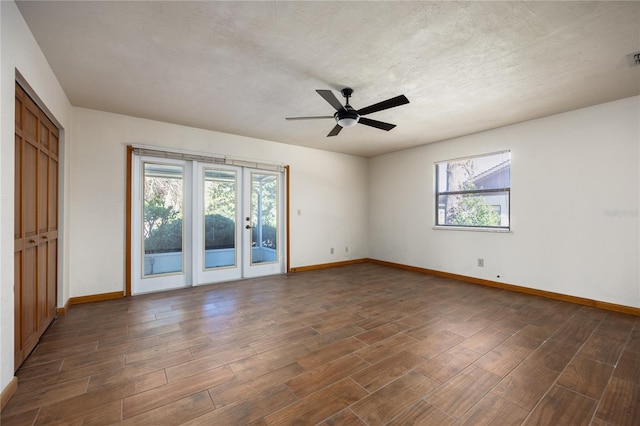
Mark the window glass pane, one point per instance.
(484, 210)
(486, 172)
(162, 215)
(264, 217)
(219, 218)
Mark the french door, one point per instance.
(197, 223)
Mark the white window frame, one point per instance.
(478, 192)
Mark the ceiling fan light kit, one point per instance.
(348, 121)
(347, 116)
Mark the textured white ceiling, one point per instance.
(242, 67)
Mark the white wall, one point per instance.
(19, 51)
(574, 206)
(329, 189)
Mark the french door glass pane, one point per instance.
(162, 219)
(220, 201)
(264, 218)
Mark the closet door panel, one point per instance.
(52, 278)
(29, 194)
(29, 300)
(43, 193)
(17, 194)
(41, 280)
(53, 195)
(17, 311)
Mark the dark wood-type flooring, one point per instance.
(356, 345)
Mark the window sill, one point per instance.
(472, 229)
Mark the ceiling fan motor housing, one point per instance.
(347, 117)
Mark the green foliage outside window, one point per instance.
(473, 211)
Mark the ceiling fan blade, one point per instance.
(318, 117)
(335, 130)
(377, 124)
(389, 103)
(331, 98)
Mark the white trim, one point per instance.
(472, 228)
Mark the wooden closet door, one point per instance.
(36, 224)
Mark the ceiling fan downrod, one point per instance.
(347, 116)
(347, 92)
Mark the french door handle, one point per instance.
(248, 226)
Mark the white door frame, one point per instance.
(194, 272)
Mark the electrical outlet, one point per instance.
(346, 249)
(331, 250)
(481, 262)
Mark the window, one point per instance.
(474, 192)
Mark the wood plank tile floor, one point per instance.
(355, 345)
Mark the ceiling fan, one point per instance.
(348, 116)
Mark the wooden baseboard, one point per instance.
(65, 308)
(8, 392)
(96, 297)
(542, 293)
(327, 265)
(617, 308)
(88, 299)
